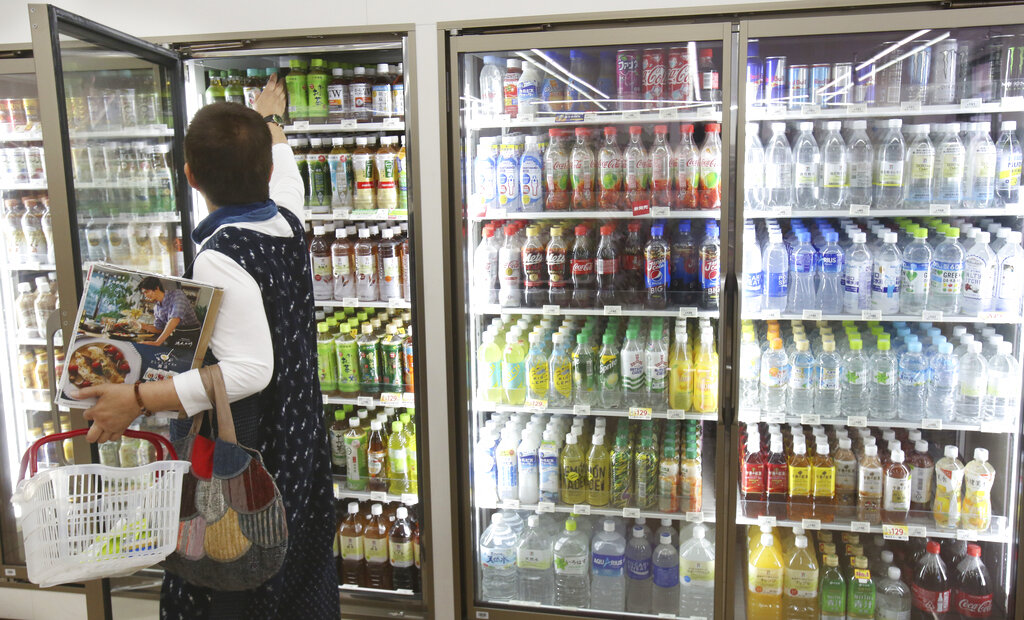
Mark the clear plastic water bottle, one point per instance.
(884, 382)
(753, 274)
(914, 279)
(492, 93)
(835, 169)
(857, 276)
(607, 569)
(754, 169)
(806, 165)
(776, 273)
(829, 380)
(571, 555)
(1008, 164)
(665, 566)
(638, 572)
(947, 274)
(774, 378)
(534, 564)
(888, 177)
(778, 169)
(886, 275)
(979, 277)
(944, 378)
(829, 296)
(801, 380)
(913, 382)
(970, 395)
(860, 156)
(1002, 402)
(697, 575)
(920, 166)
(892, 596)
(1009, 283)
(750, 369)
(510, 275)
(950, 161)
(498, 561)
(855, 390)
(802, 275)
(980, 169)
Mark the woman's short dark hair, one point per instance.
(150, 283)
(228, 149)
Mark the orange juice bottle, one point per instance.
(764, 581)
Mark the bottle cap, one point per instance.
(666, 538)
(933, 547)
(897, 455)
(377, 509)
(402, 513)
(974, 550)
(981, 454)
(767, 540)
(699, 531)
(800, 542)
(870, 450)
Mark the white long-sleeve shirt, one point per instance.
(241, 336)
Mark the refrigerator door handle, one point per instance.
(52, 327)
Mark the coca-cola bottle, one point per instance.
(556, 172)
(931, 589)
(656, 269)
(535, 283)
(607, 264)
(558, 272)
(953, 552)
(687, 167)
(661, 164)
(610, 165)
(972, 594)
(637, 170)
(583, 289)
(581, 163)
(632, 267)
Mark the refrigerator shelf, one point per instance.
(933, 210)
(751, 416)
(155, 131)
(685, 312)
(30, 267)
(695, 112)
(340, 492)
(23, 187)
(705, 516)
(346, 127)
(907, 108)
(656, 213)
(35, 135)
(671, 414)
(387, 399)
(394, 302)
(375, 215)
(166, 217)
(597, 613)
(347, 587)
(870, 315)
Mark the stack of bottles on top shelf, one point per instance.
(27, 228)
(126, 100)
(605, 363)
(365, 352)
(626, 79)
(884, 372)
(375, 454)
(366, 261)
(22, 165)
(629, 265)
(895, 166)
(322, 92)
(19, 115)
(378, 546)
(602, 563)
(801, 575)
(534, 173)
(651, 465)
(837, 475)
(121, 178)
(353, 173)
(938, 72)
(897, 266)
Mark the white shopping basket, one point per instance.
(82, 522)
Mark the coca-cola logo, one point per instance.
(678, 73)
(654, 76)
(974, 606)
(560, 165)
(582, 267)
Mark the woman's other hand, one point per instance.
(114, 411)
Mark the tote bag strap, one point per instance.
(213, 382)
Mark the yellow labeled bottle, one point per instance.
(598, 472)
(705, 374)
(489, 371)
(410, 451)
(765, 574)
(574, 472)
(680, 380)
(800, 593)
(823, 493)
(800, 486)
(513, 368)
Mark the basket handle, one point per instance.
(28, 460)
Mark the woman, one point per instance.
(265, 344)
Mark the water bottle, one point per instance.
(801, 380)
(970, 395)
(979, 277)
(857, 276)
(774, 377)
(914, 279)
(829, 296)
(886, 276)
(508, 464)
(835, 182)
(855, 378)
(950, 159)
(548, 468)
(802, 277)
(607, 576)
(753, 275)
(534, 564)
(526, 453)
(697, 576)
(829, 372)
(806, 161)
(980, 169)
(860, 157)
(778, 169)
(754, 169)
(638, 573)
(665, 562)
(498, 561)
(944, 378)
(492, 92)
(1008, 164)
(888, 177)
(1009, 283)
(884, 382)
(1003, 398)
(913, 382)
(571, 552)
(776, 273)
(892, 596)
(947, 274)
(920, 167)
(750, 369)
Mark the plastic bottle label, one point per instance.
(1008, 169)
(398, 461)
(978, 277)
(766, 581)
(890, 174)
(897, 494)
(754, 284)
(696, 571)
(1010, 282)
(778, 478)
(947, 277)
(774, 376)
(831, 263)
(824, 481)
(922, 165)
(608, 565)
(914, 278)
(828, 378)
(535, 559)
(778, 283)
(834, 175)
(375, 463)
(638, 568)
(401, 554)
(806, 175)
(530, 173)
(497, 557)
(928, 601)
(972, 605)
(870, 481)
(351, 547)
(561, 379)
(801, 583)
(570, 565)
(860, 174)
(376, 549)
(801, 377)
(799, 481)
(666, 576)
(846, 476)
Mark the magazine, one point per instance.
(136, 326)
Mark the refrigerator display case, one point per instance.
(590, 182)
(877, 433)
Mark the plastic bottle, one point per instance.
(598, 472)
(931, 590)
(980, 168)
(1008, 164)
(581, 166)
(404, 572)
(889, 164)
(800, 590)
(897, 490)
(638, 573)
(528, 89)
(855, 387)
(498, 580)
(802, 275)
(656, 269)
(806, 168)
(920, 166)
(574, 472)
(835, 169)
(832, 587)
(492, 94)
(949, 477)
(858, 276)
(534, 564)
(607, 571)
(916, 274)
(886, 275)
(970, 394)
(327, 365)
(527, 468)
(355, 456)
(687, 166)
(979, 476)
(753, 169)
(646, 470)
(829, 297)
(389, 280)
(560, 370)
(947, 274)
(665, 581)
(709, 192)
(513, 368)
(776, 273)
(584, 372)
(973, 588)
(1002, 401)
(765, 580)
(979, 277)
(801, 380)
(571, 556)
(295, 84)
(860, 592)
(870, 486)
(584, 278)
(397, 461)
(753, 274)
(1009, 286)
(510, 277)
(508, 175)
(353, 561)
(774, 378)
(892, 597)
(215, 91)
(558, 264)
(950, 160)
(778, 169)
(859, 159)
(829, 376)
(697, 575)
(884, 382)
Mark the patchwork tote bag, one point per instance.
(232, 533)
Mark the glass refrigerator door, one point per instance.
(591, 196)
(880, 315)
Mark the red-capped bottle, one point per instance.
(583, 278)
(632, 268)
(607, 266)
(753, 476)
(777, 480)
(931, 590)
(972, 594)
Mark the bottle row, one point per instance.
(531, 173)
(338, 419)
(19, 115)
(28, 228)
(50, 454)
(337, 175)
(22, 165)
(378, 546)
(897, 166)
(908, 267)
(627, 264)
(653, 76)
(940, 71)
(34, 374)
(118, 100)
(633, 363)
(133, 243)
(378, 454)
(802, 575)
(35, 305)
(649, 465)
(123, 177)
(910, 372)
(375, 265)
(365, 353)
(588, 564)
(823, 473)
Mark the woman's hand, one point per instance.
(114, 411)
(272, 99)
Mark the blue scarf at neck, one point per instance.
(230, 214)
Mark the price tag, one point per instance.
(994, 317)
(676, 414)
(939, 208)
(917, 531)
(857, 421)
(390, 398)
(396, 302)
(298, 125)
(504, 119)
(871, 315)
(860, 526)
(630, 513)
(581, 409)
(695, 517)
(891, 531)
(498, 214)
(910, 106)
(640, 413)
(668, 113)
(350, 301)
(409, 398)
(403, 591)
(858, 210)
(382, 214)
(750, 416)
(776, 111)
(392, 122)
(526, 117)
(934, 424)
(931, 315)
(771, 313)
(349, 586)
(342, 213)
(482, 615)
(1013, 102)
(641, 207)
(590, 117)
(810, 419)
(973, 103)
(766, 520)
(687, 312)
(811, 524)
(631, 115)
(378, 496)
(535, 403)
(776, 417)
(410, 498)
(810, 108)
(581, 509)
(857, 108)
(812, 315)
(348, 124)
(706, 112)
(665, 615)
(782, 211)
(552, 309)
(545, 506)
(659, 211)
(861, 574)
(966, 535)
(510, 504)
(364, 401)
(612, 310)
(992, 427)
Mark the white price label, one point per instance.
(659, 211)
(510, 504)
(771, 313)
(871, 315)
(409, 398)
(776, 111)
(857, 421)
(9, 572)
(939, 208)
(552, 309)
(410, 499)
(350, 301)
(612, 310)
(392, 122)
(934, 424)
(931, 315)
(676, 414)
(910, 106)
(766, 520)
(300, 125)
(665, 615)
(581, 409)
(706, 111)
(536, 403)
(504, 119)
(974, 103)
(776, 417)
(364, 401)
(810, 419)
(994, 317)
(992, 427)
(482, 615)
(812, 315)
(545, 506)
(403, 591)
(857, 210)
(811, 524)
(581, 509)
(892, 531)
(810, 108)
(498, 214)
(1013, 102)
(640, 413)
(349, 586)
(630, 513)
(860, 526)
(750, 416)
(378, 496)
(857, 108)
(590, 117)
(342, 213)
(786, 211)
(526, 117)
(695, 517)
(396, 302)
(348, 124)
(917, 531)
(668, 112)
(687, 312)
(631, 115)
(968, 535)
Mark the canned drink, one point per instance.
(16, 110)
(678, 79)
(20, 165)
(918, 69)
(34, 163)
(942, 83)
(842, 84)
(653, 67)
(774, 80)
(889, 85)
(1018, 79)
(1000, 61)
(963, 71)
(864, 84)
(821, 75)
(31, 110)
(627, 68)
(755, 81)
(798, 94)
(97, 162)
